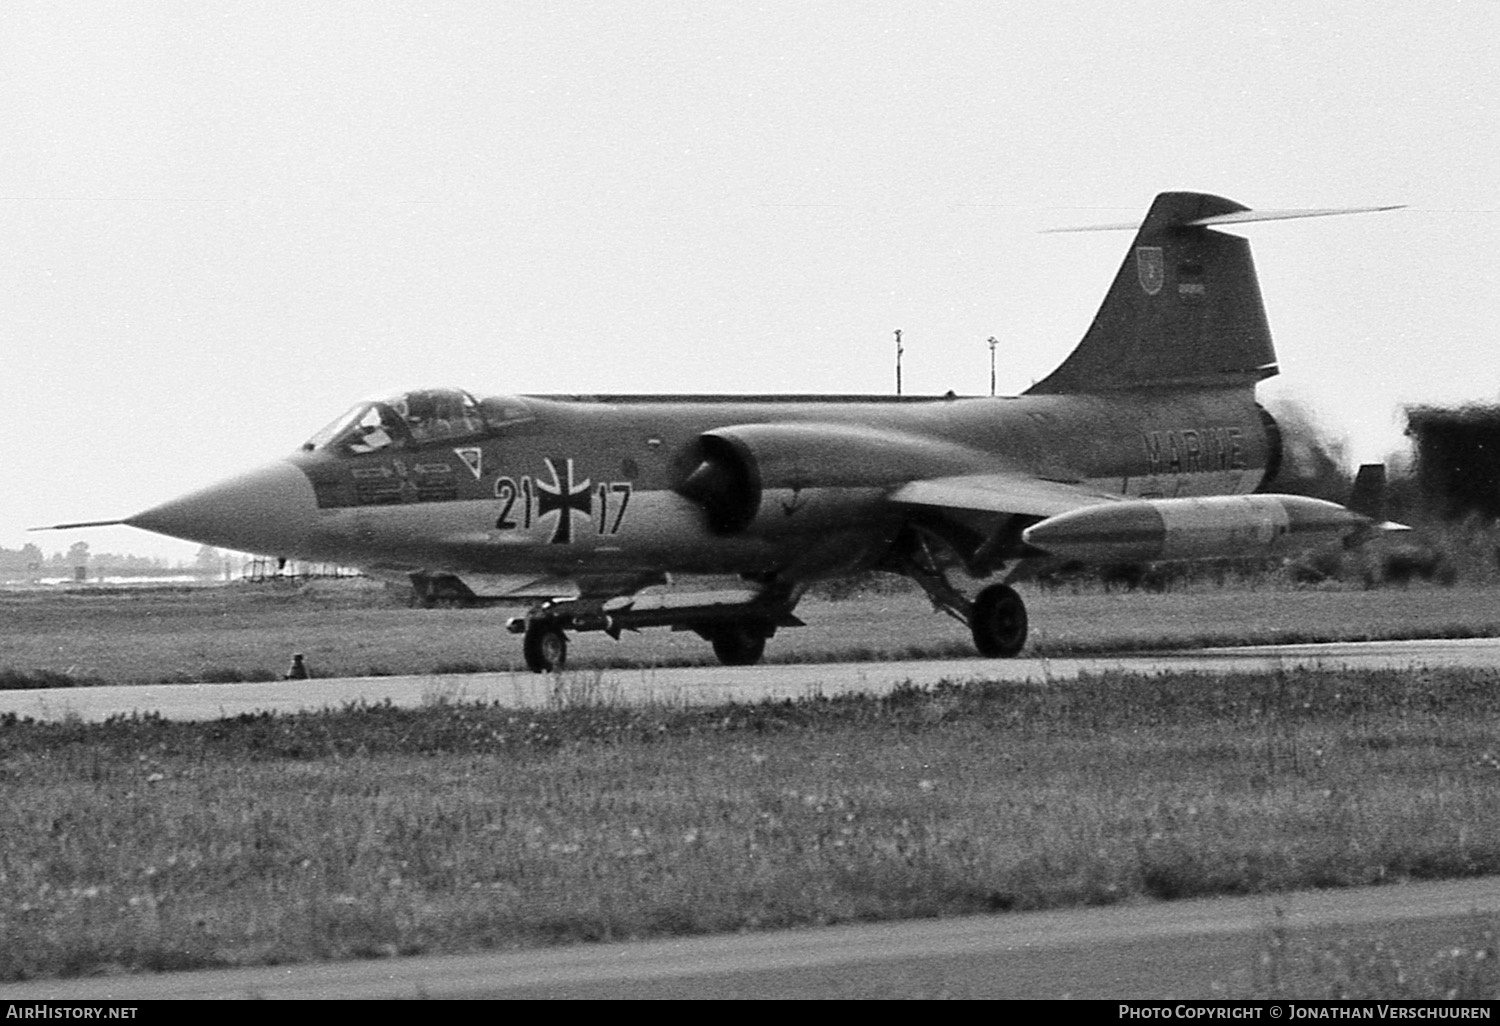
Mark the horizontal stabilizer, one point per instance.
(1237, 217)
(1286, 215)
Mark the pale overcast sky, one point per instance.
(224, 223)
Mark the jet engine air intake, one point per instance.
(726, 484)
(763, 476)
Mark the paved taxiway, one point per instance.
(1210, 948)
(706, 685)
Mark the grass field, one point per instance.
(142, 844)
(249, 632)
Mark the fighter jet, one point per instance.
(1147, 443)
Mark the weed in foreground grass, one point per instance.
(462, 667)
(1468, 970)
(371, 830)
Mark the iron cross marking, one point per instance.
(565, 498)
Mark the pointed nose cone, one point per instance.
(269, 511)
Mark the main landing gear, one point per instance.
(738, 623)
(738, 644)
(996, 617)
(738, 629)
(545, 648)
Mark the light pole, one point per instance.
(993, 343)
(899, 351)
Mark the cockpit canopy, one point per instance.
(416, 418)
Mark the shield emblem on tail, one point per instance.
(1150, 269)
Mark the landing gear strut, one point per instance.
(996, 616)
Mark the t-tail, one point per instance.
(1185, 308)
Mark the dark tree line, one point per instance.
(1457, 460)
(30, 561)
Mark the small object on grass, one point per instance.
(298, 669)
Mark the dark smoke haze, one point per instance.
(1315, 459)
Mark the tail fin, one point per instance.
(1185, 308)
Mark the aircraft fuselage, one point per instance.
(596, 486)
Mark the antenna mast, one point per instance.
(899, 351)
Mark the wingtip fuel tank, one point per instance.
(1218, 526)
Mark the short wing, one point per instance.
(1005, 493)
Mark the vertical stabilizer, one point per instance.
(1184, 310)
